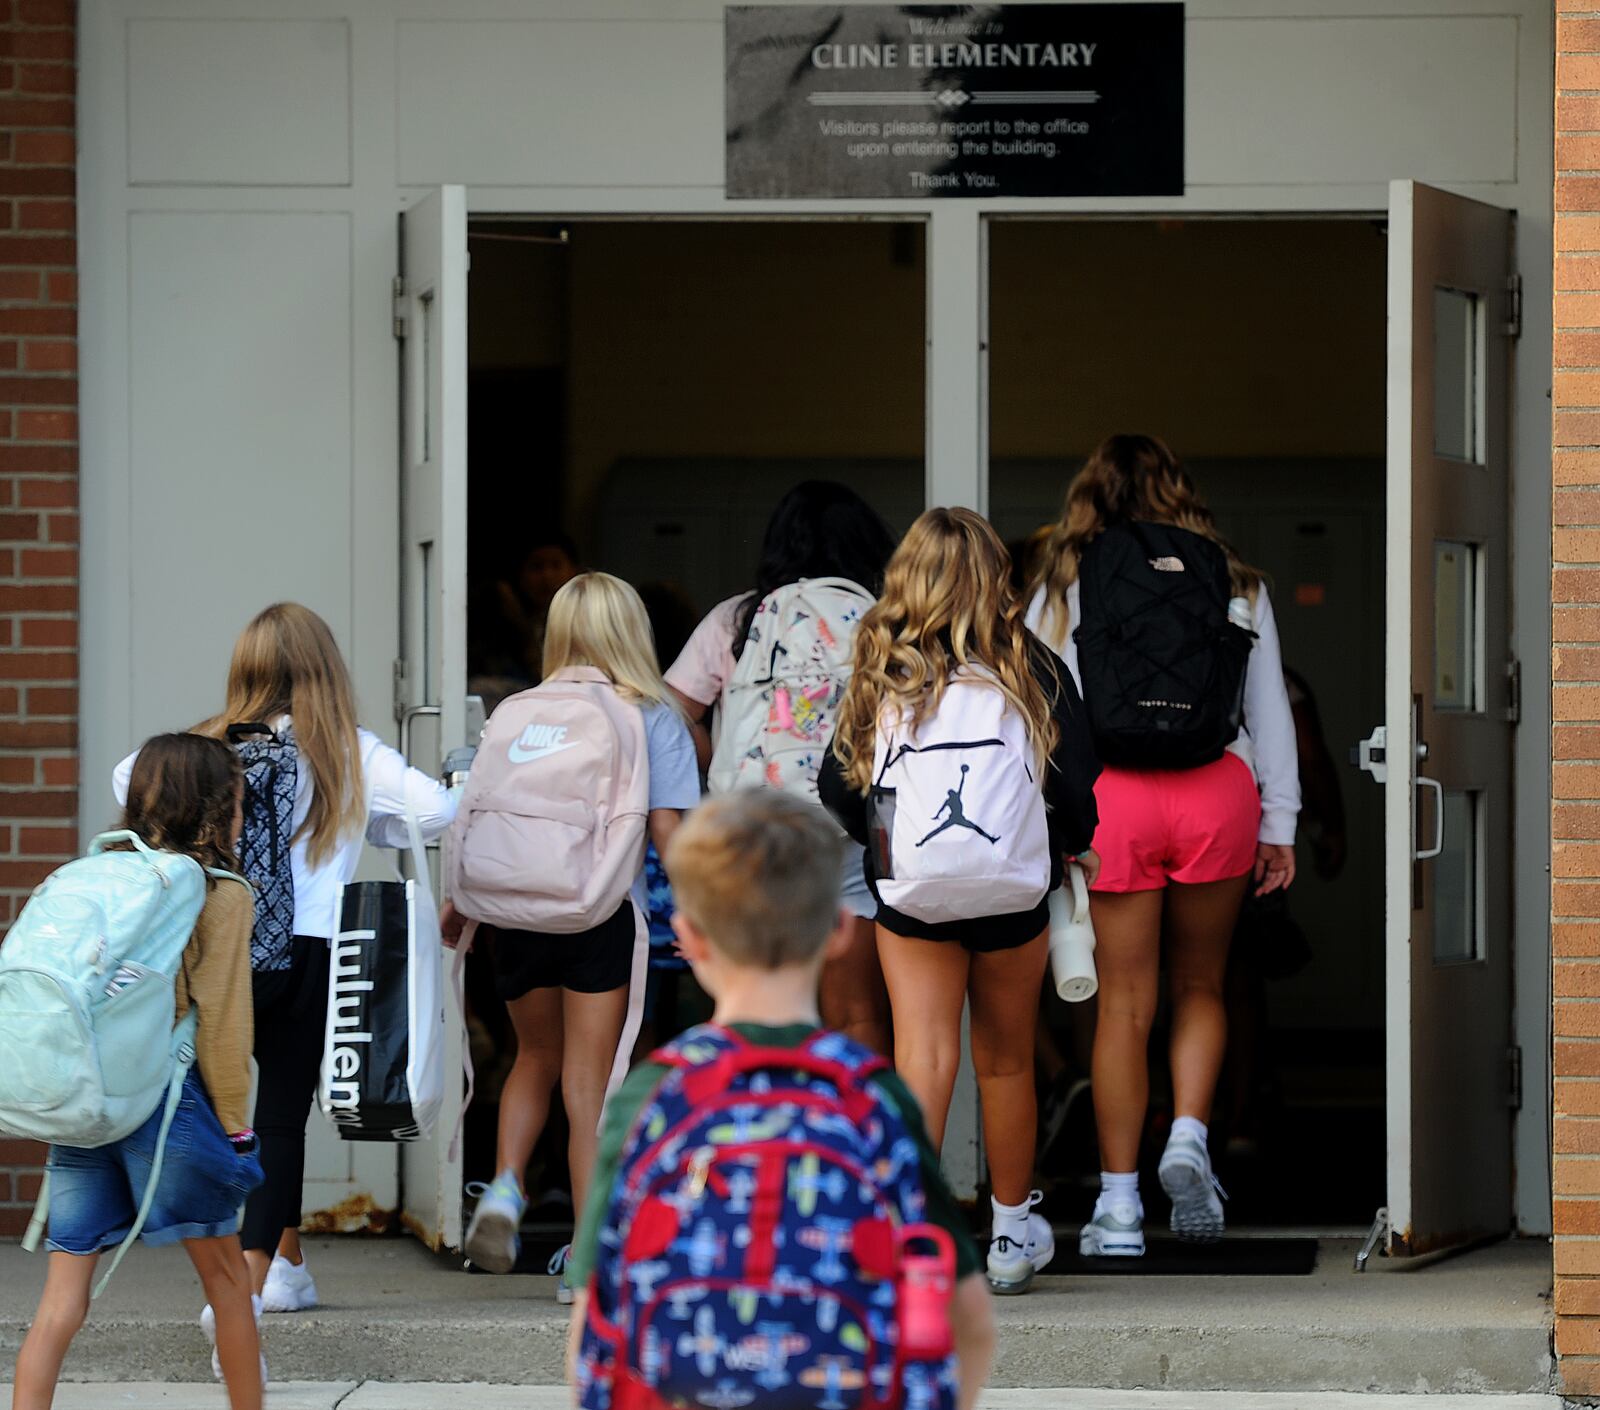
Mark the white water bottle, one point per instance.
(1072, 940)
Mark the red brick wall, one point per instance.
(38, 475)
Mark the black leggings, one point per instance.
(291, 1007)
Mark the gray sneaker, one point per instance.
(1195, 1193)
(1117, 1232)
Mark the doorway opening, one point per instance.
(640, 395)
(1256, 349)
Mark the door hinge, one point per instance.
(1512, 327)
(1514, 1078)
(397, 293)
(1514, 691)
(402, 693)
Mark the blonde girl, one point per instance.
(948, 603)
(350, 787)
(1179, 848)
(567, 995)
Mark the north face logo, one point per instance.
(538, 742)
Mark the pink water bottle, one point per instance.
(927, 1284)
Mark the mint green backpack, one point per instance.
(86, 1004)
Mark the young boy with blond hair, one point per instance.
(765, 1198)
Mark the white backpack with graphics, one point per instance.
(777, 710)
(957, 813)
(550, 834)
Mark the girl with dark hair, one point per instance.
(184, 795)
(820, 530)
(1179, 848)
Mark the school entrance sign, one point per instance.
(904, 102)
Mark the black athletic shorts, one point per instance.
(589, 962)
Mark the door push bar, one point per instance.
(1371, 756)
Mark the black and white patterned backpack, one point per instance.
(271, 769)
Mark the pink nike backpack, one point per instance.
(550, 835)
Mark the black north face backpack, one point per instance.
(1163, 668)
(271, 767)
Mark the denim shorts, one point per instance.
(95, 1194)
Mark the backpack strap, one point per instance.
(185, 1033)
(702, 1081)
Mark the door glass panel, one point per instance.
(1455, 626)
(1457, 912)
(1457, 375)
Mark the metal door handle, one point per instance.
(407, 715)
(1427, 854)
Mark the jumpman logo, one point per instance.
(958, 817)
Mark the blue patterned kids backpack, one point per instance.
(271, 764)
(759, 1246)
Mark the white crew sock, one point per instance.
(1119, 1191)
(1189, 1126)
(1010, 1220)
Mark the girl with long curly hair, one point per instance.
(949, 615)
(1179, 849)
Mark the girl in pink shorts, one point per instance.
(1179, 848)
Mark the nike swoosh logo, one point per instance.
(519, 755)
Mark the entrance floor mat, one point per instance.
(1235, 1256)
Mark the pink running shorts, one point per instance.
(1185, 825)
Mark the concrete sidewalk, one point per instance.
(1476, 1324)
(347, 1395)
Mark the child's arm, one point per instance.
(972, 1321)
(217, 976)
(662, 823)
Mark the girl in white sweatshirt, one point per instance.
(1179, 849)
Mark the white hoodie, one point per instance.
(1266, 738)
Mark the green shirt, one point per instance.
(641, 1083)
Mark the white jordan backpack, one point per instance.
(778, 708)
(957, 813)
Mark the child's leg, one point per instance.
(1005, 1011)
(972, 1321)
(1200, 922)
(228, 1284)
(525, 1098)
(1127, 958)
(62, 1307)
(853, 998)
(927, 982)
(592, 1025)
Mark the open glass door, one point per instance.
(431, 676)
(1446, 762)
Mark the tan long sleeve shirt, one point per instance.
(215, 979)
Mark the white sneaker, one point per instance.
(208, 1325)
(289, 1287)
(1011, 1266)
(1116, 1231)
(1195, 1193)
(492, 1241)
(557, 1268)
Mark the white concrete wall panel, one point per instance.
(240, 440)
(509, 103)
(1303, 100)
(238, 102)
